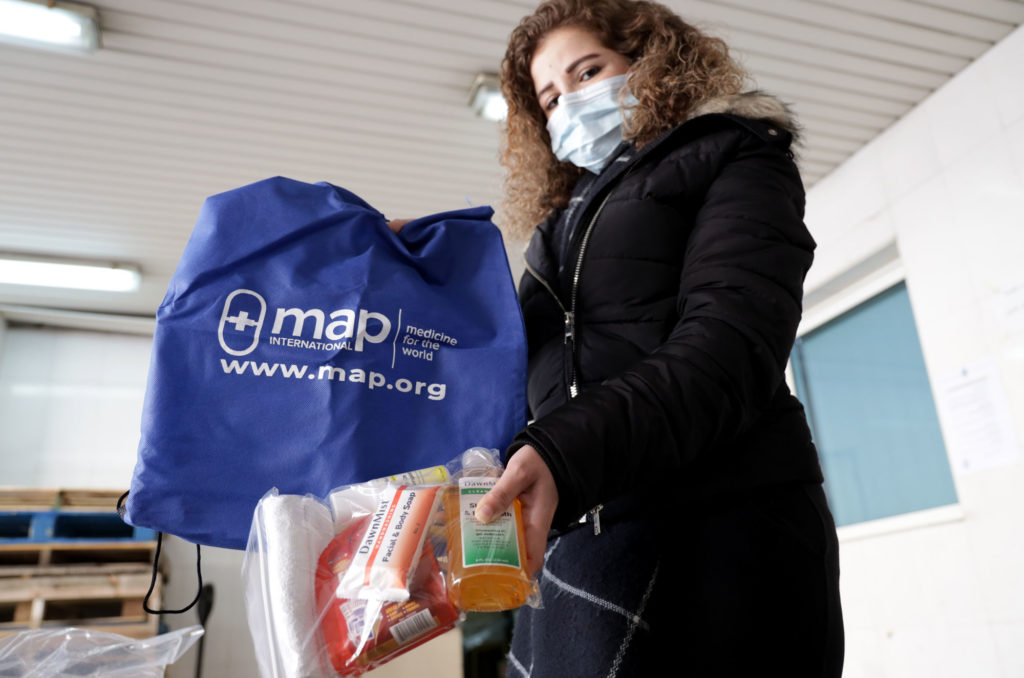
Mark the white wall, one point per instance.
(70, 405)
(945, 185)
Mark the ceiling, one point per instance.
(109, 156)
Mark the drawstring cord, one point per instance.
(156, 561)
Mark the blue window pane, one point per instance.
(863, 382)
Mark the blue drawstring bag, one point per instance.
(302, 345)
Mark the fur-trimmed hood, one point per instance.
(756, 105)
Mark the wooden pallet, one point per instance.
(15, 572)
(67, 559)
(49, 515)
(80, 552)
(22, 526)
(106, 597)
(36, 499)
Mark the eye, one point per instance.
(552, 102)
(590, 72)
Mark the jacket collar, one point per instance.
(754, 105)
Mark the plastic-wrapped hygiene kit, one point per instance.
(341, 585)
(46, 653)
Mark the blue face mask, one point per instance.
(587, 125)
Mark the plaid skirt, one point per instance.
(740, 586)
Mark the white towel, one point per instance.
(291, 531)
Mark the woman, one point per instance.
(661, 300)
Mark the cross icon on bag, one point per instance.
(241, 321)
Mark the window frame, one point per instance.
(829, 307)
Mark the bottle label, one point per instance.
(492, 544)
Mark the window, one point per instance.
(862, 380)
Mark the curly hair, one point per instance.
(673, 68)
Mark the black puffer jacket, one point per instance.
(668, 295)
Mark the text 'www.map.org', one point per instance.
(371, 380)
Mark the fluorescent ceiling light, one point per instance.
(485, 97)
(69, 274)
(60, 25)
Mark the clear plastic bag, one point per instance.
(287, 536)
(42, 653)
(340, 585)
(361, 634)
(294, 633)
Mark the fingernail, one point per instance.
(484, 513)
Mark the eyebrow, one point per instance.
(569, 69)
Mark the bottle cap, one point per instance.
(480, 457)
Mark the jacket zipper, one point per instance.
(570, 315)
(594, 516)
(544, 282)
(570, 328)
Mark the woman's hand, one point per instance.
(528, 478)
(396, 224)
